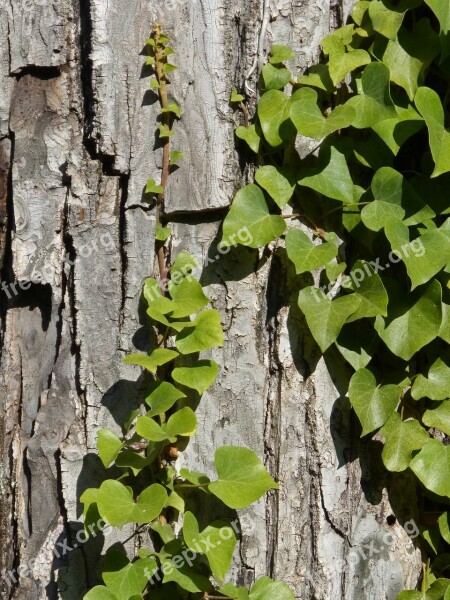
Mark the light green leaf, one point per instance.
(165, 132)
(438, 417)
(444, 527)
(273, 113)
(326, 317)
(309, 120)
(109, 446)
(280, 53)
(425, 256)
(432, 467)
(200, 376)
(341, 63)
(123, 578)
(394, 200)
(373, 404)
(168, 68)
(134, 461)
(116, 505)
(235, 96)
(217, 542)
(154, 85)
(331, 177)
(441, 9)
(374, 104)
(413, 320)
(157, 358)
(150, 430)
(206, 332)
(233, 592)
(429, 105)
(279, 183)
(162, 234)
(250, 208)
(182, 423)
(318, 77)
(153, 188)
(267, 589)
(188, 297)
(175, 156)
(436, 591)
(368, 286)
(274, 77)
(444, 332)
(172, 108)
(305, 255)
(186, 577)
(386, 19)
(249, 135)
(436, 385)
(402, 437)
(184, 264)
(162, 397)
(99, 592)
(243, 478)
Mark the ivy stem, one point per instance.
(245, 113)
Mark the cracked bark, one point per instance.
(76, 147)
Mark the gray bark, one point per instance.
(77, 143)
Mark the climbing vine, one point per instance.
(182, 554)
(364, 221)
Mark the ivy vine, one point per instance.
(184, 557)
(364, 218)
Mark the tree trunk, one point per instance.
(77, 143)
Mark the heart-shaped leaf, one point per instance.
(309, 120)
(279, 183)
(266, 589)
(318, 77)
(182, 423)
(436, 384)
(249, 135)
(185, 576)
(438, 417)
(188, 297)
(199, 376)
(402, 438)
(374, 104)
(305, 255)
(157, 358)
(109, 446)
(206, 332)
(153, 188)
(162, 397)
(330, 177)
(117, 507)
(100, 592)
(124, 578)
(275, 77)
(368, 286)
(373, 404)
(413, 320)
(357, 343)
(243, 478)
(279, 53)
(326, 317)
(429, 105)
(273, 113)
(250, 208)
(432, 467)
(341, 63)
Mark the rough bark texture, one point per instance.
(77, 143)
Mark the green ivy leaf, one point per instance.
(279, 183)
(279, 53)
(429, 105)
(394, 200)
(154, 85)
(162, 234)
(331, 177)
(233, 592)
(123, 578)
(188, 297)
(432, 467)
(305, 255)
(373, 404)
(99, 592)
(182, 423)
(444, 527)
(168, 68)
(267, 589)
(402, 438)
(172, 108)
(319, 77)
(116, 505)
(109, 446)
(309, 120)
(243, 478)
(236, 97)
(184, 264)
(374, 104)
(153, 188)
(199, 376)
(444, 332)
(206, 332)
(250, 208)
(175, 156)
(436, 591)
(438, 417)
(91, 516)
(249, 135)
(326, 317)
(442, 11)
(157, 358)
(413, 320)
(357, 343)
(127, 459)
(274, 77)
(396, 131)
(386, 18)
(162, 397)
(341, 63)
(150, 430)
(273, 113)
(436, 384)
(186, 577)
(368, 286)
(165, 132)
(217, 542)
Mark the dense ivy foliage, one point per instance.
(178, 558)
(367, 212)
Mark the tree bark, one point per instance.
(77, 144)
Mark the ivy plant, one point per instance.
(365, 215)
(177, 559)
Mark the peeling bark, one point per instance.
(77, 144)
